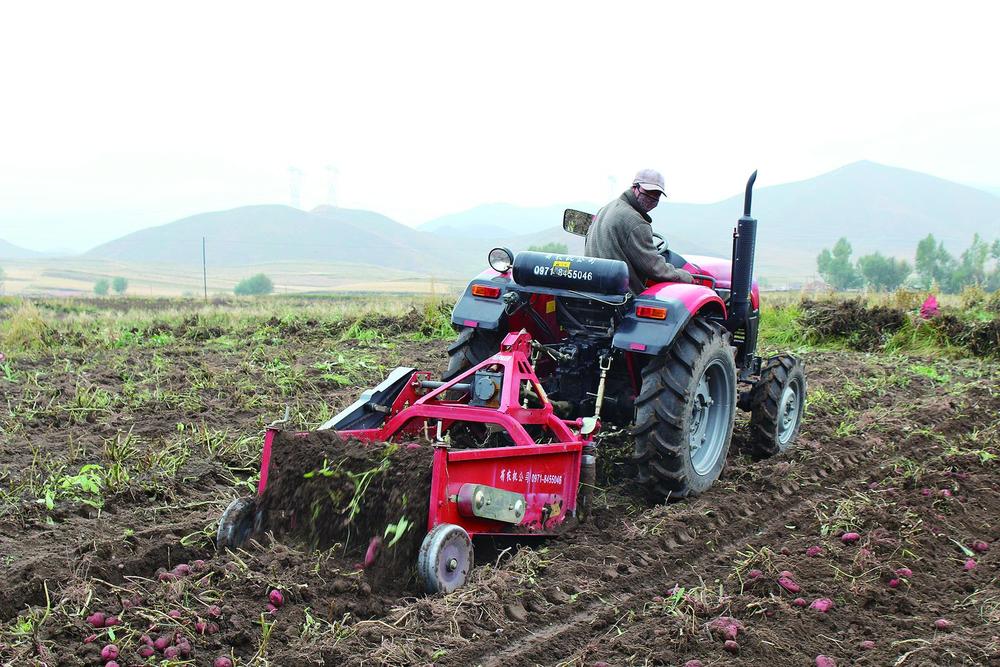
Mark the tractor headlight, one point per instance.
(501, 259)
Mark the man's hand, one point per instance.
(684, 276)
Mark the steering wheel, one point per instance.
(661, 243)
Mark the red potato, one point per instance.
(182, 570)
(824, 661)
(90, 639)
(693, 663)
(112, 621)
(926, 492)
(96, 620)
(162, 642)
(980, 546)
(799, 602)
(271, 609)
(822, 605)
(213, 628)
(215, 611)
(109, 652)
(198, 565)
(850, 538)
(184, 647)
(174, 613)
(222, 661)
(945, 493)
(904, 572)
(731, 646)
(111, 663)
(374, 549)
(725, 627)
(970, 564)
(943, 624)
(146, 651)
(786, 573)
(276, 598)
(867, 645)
(894, 583)
(755, 574)
(167, 576)
(200, 627)
(788, 585)
(814, 551)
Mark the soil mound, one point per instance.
(372, 498)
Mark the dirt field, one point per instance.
(119, 452)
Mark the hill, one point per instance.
(256, 235)
(498, 221)
(876, 207)
(11, 251)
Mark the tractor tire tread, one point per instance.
(764, 400)
(661, 446)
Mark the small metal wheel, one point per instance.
(445, 559)
(236, 524)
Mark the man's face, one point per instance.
(648, 199)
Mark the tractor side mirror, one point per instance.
(577, 222)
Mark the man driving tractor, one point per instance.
(623, 230)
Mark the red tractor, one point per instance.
(549, 346)
(673, 363)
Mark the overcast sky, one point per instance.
(118, 116)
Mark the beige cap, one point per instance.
(649, 179)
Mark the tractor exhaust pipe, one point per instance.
(744, 243)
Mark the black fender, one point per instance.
(482, 312)
(655, 319)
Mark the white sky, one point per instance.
(117, 116)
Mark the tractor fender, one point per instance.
(654, 331)
(482, 312)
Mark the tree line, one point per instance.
(933, 265)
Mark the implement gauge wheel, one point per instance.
(237, 524)
(446, 558)
(685, 412)
(777, 402)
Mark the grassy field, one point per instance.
(75, 277)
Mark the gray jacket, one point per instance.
(622, 231)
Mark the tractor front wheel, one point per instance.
(685, 412)
(777, 402)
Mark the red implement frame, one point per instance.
(547, 475)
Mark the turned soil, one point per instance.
(901, 451)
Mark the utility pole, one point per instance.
(204, 269)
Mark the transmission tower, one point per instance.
(295, 186)
(331, 184)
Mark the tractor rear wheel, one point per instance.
(777, 402)
(471, 347)
(685, 412)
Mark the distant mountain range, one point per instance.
(11, 251)
(876, 207)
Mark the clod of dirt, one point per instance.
(693, 663)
